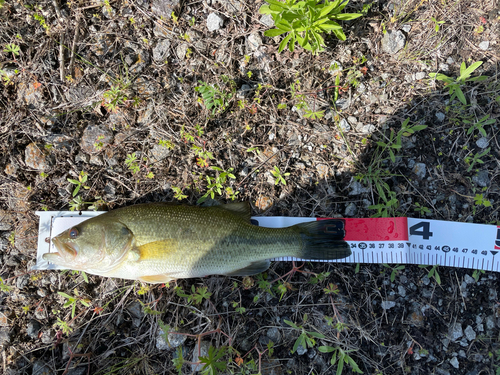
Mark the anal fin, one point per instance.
(252, 269)
(156, 279)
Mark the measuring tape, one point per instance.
(397, 240)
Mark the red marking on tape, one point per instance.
(376, 229)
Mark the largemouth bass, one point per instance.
(157, 243)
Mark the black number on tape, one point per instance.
(425, 232)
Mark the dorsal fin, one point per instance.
(241, 209)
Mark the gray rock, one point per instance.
(455, 332)
(357, 188)
(47, 336)
(36, 157)
(267, 20)
(484, 45)
(243, 91)
(450, 60)
(469, 280)
(483, 142)
(274, 335)
(161, 51)
(406, 28)
(386, 305)
(181, 50)
(4, 336)
(454, 362)
(343, 103)
(361, 88)
(368, 129)
(440, 116)
(201, 351)
(351, 210)
(159, 152)
(174, 340)
(490, 322)
(246, 345)
(164, 8)
(420, 170)
(214, 22)
(95, 135)
(344, 125)
(254, 41)
(6, 220)
(420, 75)
(481, 179)
(33, 329)
(393, 41)
(426, 280)
(135, 310)
(232, 6)
(40, 368)
(301, 350)
(470, 334)
(402, 291)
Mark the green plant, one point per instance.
(437, 23)
(304, 22)
(197, 294)
(422, 210)
(278, 176)
(394, 270)
(12, 48)
(479, 125)
(213, 97)
(115, 97)
(216, 184)
(343, 358)
(477, 273)
(41, 21)
(77, 204)
(212, 365)
(306, 338)
(132, 163)
(82, 179)
(472, 160)
(4, 287)
(63, 326)
(479, 200)
(73, 300)
(432, 273)
(319, 277)
(455, 85)
(178, 193)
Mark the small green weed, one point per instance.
(394, 270)
(213, 97)
(432, 273)
(477, 273)
(82, 179)
(304, 22)
(132, 163)
(479, 200)
(343, 357)
(63, 326)
(422, 210)
(216, 184)
(4, 287)
(278, 176)
(12, 48)
(306, 338)
(197, 294)
(454, 86)
(476, 158)
(73, 300)
(479, 125)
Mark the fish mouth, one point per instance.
(65, 252)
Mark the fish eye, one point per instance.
(73, 233)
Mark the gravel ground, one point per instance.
(113, 96)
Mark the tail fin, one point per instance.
(323, 240)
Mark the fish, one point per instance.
(160, 242)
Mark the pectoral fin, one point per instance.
(252, 269)
(156, 279)
(156, 250)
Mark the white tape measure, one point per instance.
(376, 240)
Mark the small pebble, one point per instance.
(454, 362)
(440, 116)
(484, 45)
(386, 305)
(483, 142)
(455, 332)
(214, 22)
(470, 334)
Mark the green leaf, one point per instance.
(339, 34)
(347, 16)
(276, 3)
(274, 32)
(330, 26)
(465, 73)
(460, 95)
(326, 349)
(284, 42)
